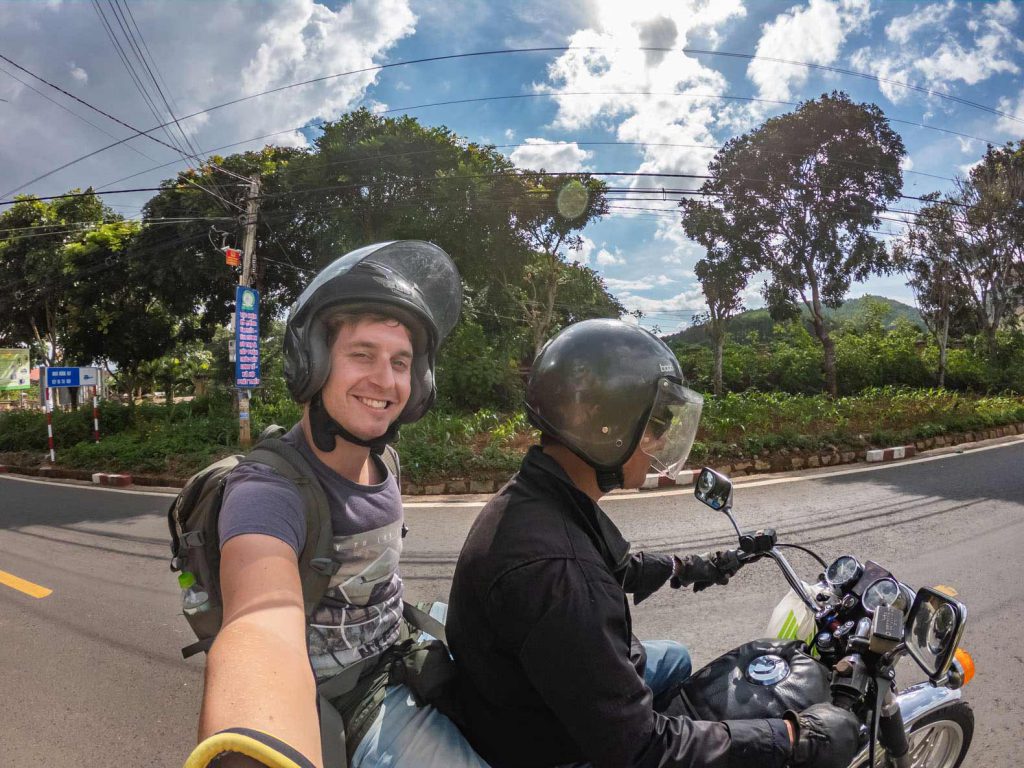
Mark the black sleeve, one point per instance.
(644, 574)
(576, 656)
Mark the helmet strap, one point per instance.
(325, 430)
(609, 479)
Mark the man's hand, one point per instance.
(827, 736)
(704, 570)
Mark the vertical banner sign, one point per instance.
(247, 338)
(14, 370)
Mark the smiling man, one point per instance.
(359, 355)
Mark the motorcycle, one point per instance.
(840, 639)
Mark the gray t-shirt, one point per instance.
(360, 614)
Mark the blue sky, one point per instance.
(209, 52)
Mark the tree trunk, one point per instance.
(827, 345)
(943, 346)
(830, 363)
(540, 331)
(718, 337)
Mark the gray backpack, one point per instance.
(195, 545)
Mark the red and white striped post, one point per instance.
(49, 426)
(95, 416)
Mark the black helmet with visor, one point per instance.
(414, 282)
(604, 388)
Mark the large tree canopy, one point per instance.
(129, 293)
(39, 279)
(804, 191)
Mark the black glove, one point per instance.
(704, 570)
(827, 736)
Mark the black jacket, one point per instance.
(539, 626)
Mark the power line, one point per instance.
(73, 113)
(563, 49)
(109, 117)
(30, 198)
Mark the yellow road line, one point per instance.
(33, 590)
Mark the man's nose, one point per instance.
(383, 374)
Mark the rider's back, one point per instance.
(534, 611)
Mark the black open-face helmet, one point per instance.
(413, 281)
(603, 388)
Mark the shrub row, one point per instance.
(180, 439)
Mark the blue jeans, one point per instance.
(406, 735)
(668, 664)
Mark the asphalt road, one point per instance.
(91, 673)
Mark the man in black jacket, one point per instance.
(539, 621)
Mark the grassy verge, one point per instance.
(178, 440)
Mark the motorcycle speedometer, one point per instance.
(844, 572)
(882, 592)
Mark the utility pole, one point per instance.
(245, 280)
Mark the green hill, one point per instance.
(852, 312)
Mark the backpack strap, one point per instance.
(424, 622)
(394, 464)
(315, 563)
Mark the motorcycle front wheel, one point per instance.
(940, 739)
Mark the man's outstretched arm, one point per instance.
(257, 673)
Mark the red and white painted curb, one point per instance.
(686, 477)
(891, 454)
(106, 478)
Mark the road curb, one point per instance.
(891, 454)
(107, 478)
(686, 477)
(782, 461)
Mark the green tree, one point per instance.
(551, 214)
(39, 282)
(942, 297)
(116, 318)
(804, 191)
(723, 272)
(179, 252)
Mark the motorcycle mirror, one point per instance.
(934, 628)
(713, 489)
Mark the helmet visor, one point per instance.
(671, 427)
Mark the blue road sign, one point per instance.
(63, 377)
(72, 377)
(247, 337)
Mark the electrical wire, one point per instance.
(109, 117)
(537, 95)
(71, 112)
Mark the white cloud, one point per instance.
(891, 70)
(814, 34)
(927, 52)
(558, 156)
(619, 79)
(1012, 107)
(79, 74)
(510, 135)
(606, 258)
(966, 145)
(902, 28)
(965, 169)
(206, 58)
(691, 299)
(1003, 12)
(951, 61)
(582, 256)
(643, 284)
(906, 163)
